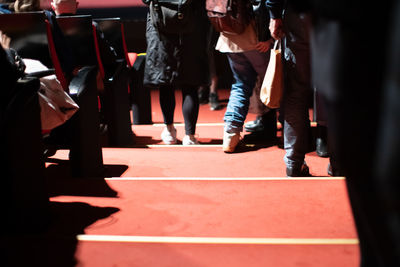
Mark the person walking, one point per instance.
(248, 58)
(178, 61)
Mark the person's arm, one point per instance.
(275, 24)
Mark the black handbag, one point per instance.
(173, 16)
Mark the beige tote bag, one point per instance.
(272, 86)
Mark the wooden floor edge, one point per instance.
(218, 240)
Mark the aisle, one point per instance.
(196, 206)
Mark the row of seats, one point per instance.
(31, 36)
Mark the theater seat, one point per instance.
(115, 99)
(29, 37)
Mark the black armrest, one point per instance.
(40, 74)
(82, 80)
(120, 66)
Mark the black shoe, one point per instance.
(213, 101)
(255, 126)
(321, 147)
(321, 142)
(302, 171)
(49, 151)
(334, 171)
(264, 123)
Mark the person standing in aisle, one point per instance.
(294, 30)
(356, 68)
(248, 58)
(178, 61)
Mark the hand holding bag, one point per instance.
(272, 86)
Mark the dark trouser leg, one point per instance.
(190, 109)
(358, 121)
(167, 103)
(295, 100)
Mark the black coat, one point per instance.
(173, 59)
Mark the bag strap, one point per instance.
(277, 44)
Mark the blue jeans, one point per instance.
(245, 66)
(295, 101)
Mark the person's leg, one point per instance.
(213, 97)
(203, 94)
(265, 124)
(190, 110)
(361, 128)
(167, 103)
(244, 77)
(258, 108)
(321, 137)
(296, 126)
(244, 80)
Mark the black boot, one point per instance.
(321, 142)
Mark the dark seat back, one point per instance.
(135, 35)
(28, 35)
(112, 29)
(78, 32)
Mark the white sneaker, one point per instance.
(189, 140)
(168, 135)
(230, 141)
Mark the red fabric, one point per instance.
(132, 58)
(45, 132)
(98, 102)
(56, 62)
(124, 45)
(96, 44)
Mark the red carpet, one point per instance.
(210, 208)
(184, 255)
(125, 221)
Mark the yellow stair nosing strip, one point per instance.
(218, 240)
(313, 124)
(226, 179)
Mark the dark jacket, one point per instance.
(173, 59)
